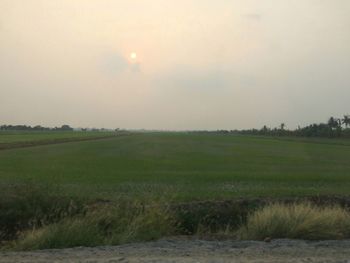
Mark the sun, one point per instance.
(133, 55)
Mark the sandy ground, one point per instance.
(185, 251)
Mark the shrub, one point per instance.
(29, 206)
(297, 221)
(108, 225)
(212, 217)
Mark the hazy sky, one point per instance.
(200, 64)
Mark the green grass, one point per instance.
(30, 136)
(183, 167)
(54, 196)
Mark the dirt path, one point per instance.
(194, 251)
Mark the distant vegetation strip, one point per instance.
(40, 128)
(23, 144)
(334, 128)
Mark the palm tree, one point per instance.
(282, 126)
(346, 120)
(333, 122)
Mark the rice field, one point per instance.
(181, 166)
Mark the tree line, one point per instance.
(333, 128)
(34, 128)
(41, 128)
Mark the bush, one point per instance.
(212, 217)
(109, 225)
(29, 206)
(297, 221)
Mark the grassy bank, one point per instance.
(39, 217)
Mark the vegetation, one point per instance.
(144, 186)
(297, 221)
(39, 128)
(41, 217)
(17, 137)
(64, 127)
(168, 165)
(21, 139)
(334, 128)
(107, 225)
(30, 206)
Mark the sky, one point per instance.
(174, 65)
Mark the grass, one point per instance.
(31, 136)
(184, 167)
(110, 225)
(29, 139)
(297, 221)
(41, 216)
(44, 217)
(145, 185)
(30, 206)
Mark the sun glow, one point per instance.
(133, 55)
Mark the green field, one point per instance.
(22, 136)
(184, 166)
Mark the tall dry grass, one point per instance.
(30, 206)
(39, 217)
(297, 221)
(109, 225)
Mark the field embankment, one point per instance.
(41, 217)
(30, 139)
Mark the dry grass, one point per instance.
(297, 221)
(109, 225)
(31, 206)
(39, 217)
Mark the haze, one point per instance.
(200, 64)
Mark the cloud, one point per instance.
(210, 82)
(191, 80)
(253, 16)
(116, 64)
(136, 68)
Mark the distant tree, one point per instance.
(333, 122)
(264, 130)
(66, 128)
(335, 126)
(346, 120)
(282, 126)
(38, 128)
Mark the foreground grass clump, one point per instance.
(109, 225)
(30, 206)
(297, 221)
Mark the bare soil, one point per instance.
(184, 250)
